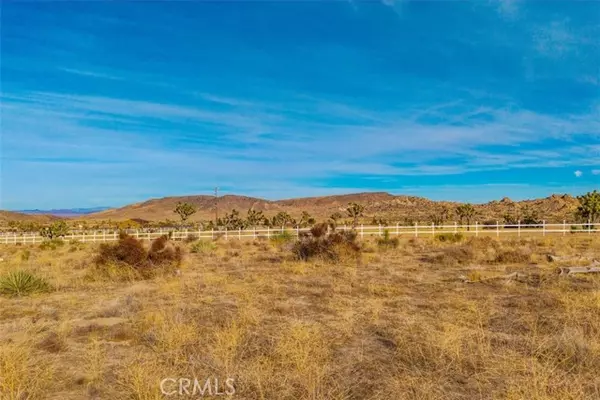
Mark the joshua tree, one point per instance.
(336, 216)
(440, 217)
(282, 219)
(56, 230)
(184, 210)
(589, 206)
(233, 220)
(255, 218)
(306, 220)
(355, 211)
(465, 212)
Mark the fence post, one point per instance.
(497, 229)
(298, 231)
(212, 233)
(416, 229)
(226, 237)
(83, 236)
(397, 229)
(268, 232)
(380, 232)
(362, 231)
(519, 228)
(433, 229)
(455, 227)
(544, 228)
(589, 226)
(476, 229)
(239, 233)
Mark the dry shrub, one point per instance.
(333, 247)
(52, 343)
(513, 256)
(319, 230)
(450, 237)
(164, 253)
(455, 255)
(483, 243)
(386, 242)
(130, 253)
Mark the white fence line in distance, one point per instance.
(416, 230)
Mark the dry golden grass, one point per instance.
(398, 325)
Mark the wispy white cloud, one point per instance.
(91, 74)
(596, 172)
(256, 133)
(578, 174)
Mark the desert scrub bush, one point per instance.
(513, 256)
(203, 247)
(333, 247)
(454, 255)
(450, 237)
(483, 243)
(25, 255)
(52, 244)
(129, 254)
(386, 242)
(191, 238)
(282, 238)
(22, 283)
(75, 245)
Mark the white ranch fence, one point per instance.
(416, 230)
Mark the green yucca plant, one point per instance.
(203, 247)
(22, 283)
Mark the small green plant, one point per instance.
(282, 238)
(386, 242)
(203, 247)
(52, 244)
(75, 245)
(450, 237)
(22, 283)
(25, 255)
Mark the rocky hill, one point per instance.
(402, 209)
(11, 216)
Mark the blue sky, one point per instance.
(108, 103)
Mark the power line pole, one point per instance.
(216, 205)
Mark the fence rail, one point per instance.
(416, 230)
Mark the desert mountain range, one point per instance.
(377, 204)
(395, 208)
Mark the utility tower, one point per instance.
(216, 205)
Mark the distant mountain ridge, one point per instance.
(394, 208)
(65, 212)
(378, 205)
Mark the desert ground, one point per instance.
(423, 319)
